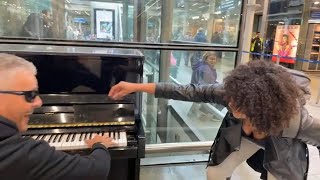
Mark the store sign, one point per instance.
(227, 4)
(79, 20)
(315, 15)
(104, 23)
(286, 42)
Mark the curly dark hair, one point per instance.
(266, 93)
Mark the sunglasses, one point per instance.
(28, 95)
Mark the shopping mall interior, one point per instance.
(164, 39)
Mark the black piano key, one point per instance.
(90, 136)
(56, 138)
(39, 137)
(36, 137)
(80, 138)
(68, 137)
(60, 138)
(118, 135)
(114, 135)
(42, 138)
(51, 137)
(73, 137)
(85, 136)
(102, 133)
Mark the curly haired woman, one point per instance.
(265, 107)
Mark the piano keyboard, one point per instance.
(76, 141)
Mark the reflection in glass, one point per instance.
(215, 22)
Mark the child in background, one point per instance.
(204, 71)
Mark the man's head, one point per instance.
(263, 96)
(258, 34)
(18, 87)
(46, 16)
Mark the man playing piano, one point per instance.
(25, 158)
(266, 112)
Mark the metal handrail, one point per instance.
(178, 147)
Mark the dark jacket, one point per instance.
(200, 37)
(202, 73)
(27, 159)
(284, 157)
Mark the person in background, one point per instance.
(269, 47)
(256, 46)
(38, 25)
(262, 114)
(217, 39)
(204, 72)
(200, 36)
(26, 158)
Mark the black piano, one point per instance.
(73, 84)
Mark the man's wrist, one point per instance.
(99, 145)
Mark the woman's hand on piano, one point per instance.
(122, 89)
(105, 140)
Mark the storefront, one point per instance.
(312, 49)
(293, 33)
(283, 30)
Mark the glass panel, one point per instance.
(150, 103)
(215, 22)
(186, 121)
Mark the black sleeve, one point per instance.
(207, 93)
(47, 163)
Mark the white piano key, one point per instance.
(123, 138)
(34, 137)
(47, 137)
(116, 138)
(76, 140)
(63, 142)
(55, 137)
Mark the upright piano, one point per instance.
(73, 84)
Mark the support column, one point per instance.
(140, 24)
(263, 31)
(210, 20)
(12, 18)
(125, 13)
(248, 17)
(164, 66)
(58, 17)
(303, 35)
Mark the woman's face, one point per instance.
(247, 126)
(284, 39)
(211, 60)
